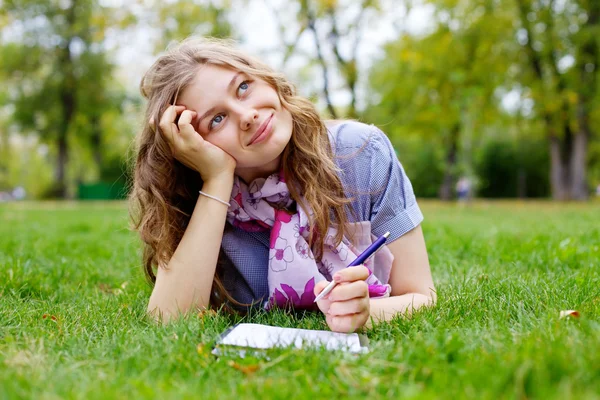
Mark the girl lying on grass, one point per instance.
(244, 196)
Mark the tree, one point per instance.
(179, 19)
(336, 29)
(552, 36)
(441, 86)
(57, 45)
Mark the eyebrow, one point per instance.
(212, 109)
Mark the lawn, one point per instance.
(73, 296)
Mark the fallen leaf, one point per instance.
(104, 287)
(201, 349)
(569, 313)
(210, 312)
(246, 369)
(205, 355)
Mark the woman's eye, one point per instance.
(245, 85)
(215, 121)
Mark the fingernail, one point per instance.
(337, 278)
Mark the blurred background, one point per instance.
(481, 98)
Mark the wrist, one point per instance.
(219, 177)
(219, 186)
(218, 181)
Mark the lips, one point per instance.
(260, 129)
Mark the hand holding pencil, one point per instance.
(361, 259)
(345, 300)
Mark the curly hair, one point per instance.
(165, 191)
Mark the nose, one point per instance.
(248, 117)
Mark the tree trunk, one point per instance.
(446, 188)
(568, 167)
(96, 142)
(4, 152)
(557, 170)
(67, 100)
(311, 24)
(521, 183)
(579, 190)
(588, 56)
(61, 165)
(567, 150)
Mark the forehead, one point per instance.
(209, 85)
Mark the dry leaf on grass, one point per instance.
(569, 313)
(205, 355)
(246, 369)
(106, 288)
(210, 312)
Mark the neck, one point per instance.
(250, 174)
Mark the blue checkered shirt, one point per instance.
(372, 176)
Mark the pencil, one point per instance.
(361, 259)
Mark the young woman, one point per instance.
(244, 196)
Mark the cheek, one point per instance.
(286, 120)
(225, 140)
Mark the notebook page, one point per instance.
(264, 337)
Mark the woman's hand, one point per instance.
(190, 148)
(347, 306)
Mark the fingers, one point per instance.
(186, 117)
(185, 122)
(347, 323)
(167, 121)
(351, 274)
(320, 286)
(354, 306)
(348, 291)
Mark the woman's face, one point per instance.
(241, 115)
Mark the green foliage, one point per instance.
(513, 169)
(594, 162)
(181, 18)
(72, 321)
(441, 86)
(423, 162)
(60, 77)
(451, 78)
(26, 165)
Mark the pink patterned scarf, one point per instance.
(293, 271)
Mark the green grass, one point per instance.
(72, 325)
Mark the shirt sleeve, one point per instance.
(385, 195)
(394, 206)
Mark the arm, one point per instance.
(410, 278)
(390, 206)
(348, 306)
(186, 282)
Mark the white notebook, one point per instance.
(257, 336)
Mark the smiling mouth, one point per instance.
(261, 130)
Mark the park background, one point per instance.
(502, 93)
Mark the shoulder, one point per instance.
(348, 136)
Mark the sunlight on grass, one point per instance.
(73, 297)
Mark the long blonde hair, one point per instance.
(165, 191)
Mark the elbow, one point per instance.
(157, 314)
(432, 297)
(164, 310)
(158, 311)
(427, 297)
